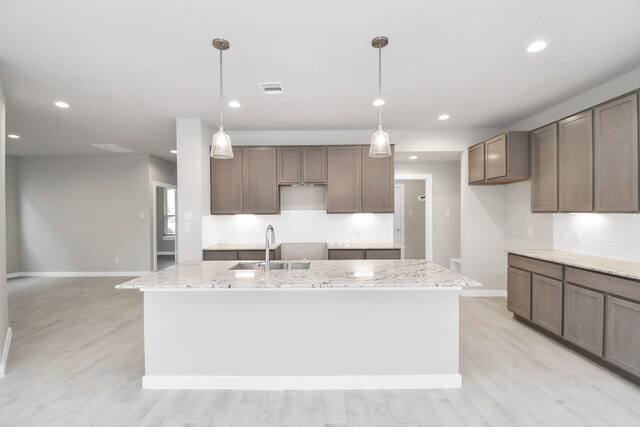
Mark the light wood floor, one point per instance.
(77, 359)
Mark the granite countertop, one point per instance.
(603, 265)
(365, 245)
(240, 247)
(398, 274)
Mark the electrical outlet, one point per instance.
(530, 231)
(117, 260)
(447, 213)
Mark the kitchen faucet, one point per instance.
(272, 233)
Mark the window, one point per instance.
(169, 212)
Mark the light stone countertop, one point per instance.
(339, 246)
(378, 274)
(240, 247)
(614, 267)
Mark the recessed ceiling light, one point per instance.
(13, 136)
(174, 151)
(234, 104)
(378, 102)
(443, 117)
(537, 46)
(61, 104)
(413, 157)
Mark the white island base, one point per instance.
(301, 339)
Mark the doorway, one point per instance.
(413, 215)
(164, 225)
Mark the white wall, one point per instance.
(4, 306)
(13, 214)
(446, 197)
(78, 213)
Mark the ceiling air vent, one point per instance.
(271, 88)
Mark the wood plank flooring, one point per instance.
(77, 359)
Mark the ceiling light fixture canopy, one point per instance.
(380, 146)
(221, 144)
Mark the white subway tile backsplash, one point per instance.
(298, 226)
(607, 235)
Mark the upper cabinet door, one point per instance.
(575, 163)
(289, 165)
(344, 190)
(377, 182)
(496, 156)
(260, 181)
(616, 155)
(314, 165)
(226, 184)
(476, 163)
(544, 169)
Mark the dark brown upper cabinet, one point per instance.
(344, 179)
(377, 182)
(260, 183)
(616, 155)
(302, 165)
(226, 184)
(544, 169)
(500, 160)
(575, 163)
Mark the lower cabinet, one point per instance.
(519, 292)
(623, 334)
(243, 255)
(546, 303)
(345, 254)
(584, 318)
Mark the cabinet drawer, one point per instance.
(546, 303)
(383, 253)
(623, 334)
(542, 268)
(584, 318)
(604, 283)
(338, 254)
(219, 255)
(519, 292)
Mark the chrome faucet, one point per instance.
(272, 233)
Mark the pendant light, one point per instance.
(221, 144)
(380, 146)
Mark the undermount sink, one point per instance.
(275, 265)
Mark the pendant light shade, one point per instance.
(380, 145)
(221, 144)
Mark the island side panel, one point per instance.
(305, 339)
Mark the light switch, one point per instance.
(141, 215)
(188, 215)
(447, 213)
(187, 227)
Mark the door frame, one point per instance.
(395, 209)
(154, 238)
(428, 209)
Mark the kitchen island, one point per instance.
(365, 324)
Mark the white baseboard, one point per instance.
(484, 293)
(165, 253)
(338, 382)
(78, 274)
(5, 352)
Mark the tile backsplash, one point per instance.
(606, 235)
(298, 226)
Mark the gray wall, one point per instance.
(13, 214)
(78, 213)
(414, 219)
(446, 197)
(4, 306)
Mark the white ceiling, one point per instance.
(128, 68)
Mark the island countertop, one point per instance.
(348, 274)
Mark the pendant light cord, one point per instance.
(220, 88)
(380, 86)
